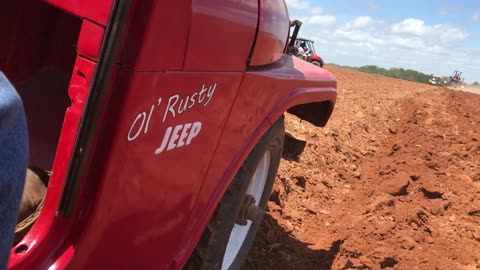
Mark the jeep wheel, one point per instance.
(231, 230)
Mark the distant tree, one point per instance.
(476, 83)
(399, 73)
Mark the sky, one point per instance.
(434, 37)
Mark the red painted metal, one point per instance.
(39, 36)
(143, 197)
(273, 29)
(49, 232)
(315, 57)
(147, 195)
(94, 10)
(41, 61)
(216, 28)
(90, 40)
(157, 35)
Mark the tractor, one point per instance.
(452, 81)
(309, 54)
(456, 78)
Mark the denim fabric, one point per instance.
(13, 163)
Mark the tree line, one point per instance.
(399, 73)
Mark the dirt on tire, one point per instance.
(392, 182)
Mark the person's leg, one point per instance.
(13, 163)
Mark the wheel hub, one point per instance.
(248, 211)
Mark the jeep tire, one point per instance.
(225, 244)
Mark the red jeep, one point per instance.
(157, 156)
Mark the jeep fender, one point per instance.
(290, 84)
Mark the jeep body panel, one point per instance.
(178, 118)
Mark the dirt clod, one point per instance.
(388, 262)
(293, 147)
(475, 212)
(414, 177)
(301, 181)
(431, 194)
(402, 191)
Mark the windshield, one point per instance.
(310, 46)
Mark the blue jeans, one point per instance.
(13, 163)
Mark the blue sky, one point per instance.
(434, 37)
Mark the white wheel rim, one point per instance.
(239, 233)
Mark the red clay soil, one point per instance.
(392, 182)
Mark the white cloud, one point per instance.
(324, 20)
(407, 42)
(305, 6)
(410, 26)
(298, 4)
(362, 21)
(407, 34)
(316, 10)
(476, 16)
(358, 36)
(438, 32)
(447, 33)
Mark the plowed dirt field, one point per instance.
(392, 182)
